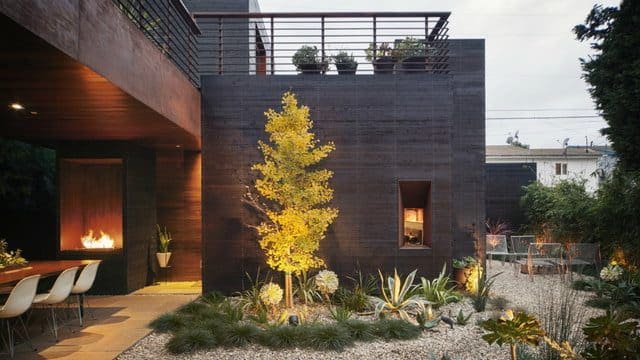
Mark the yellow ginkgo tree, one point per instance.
(293, 192)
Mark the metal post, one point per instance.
(322, 37)
(273, 65)
(220, 46)
(375, 39)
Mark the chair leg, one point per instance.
(80, 309)
(27, 338)
(54, 324)
(11, 346)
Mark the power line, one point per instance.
(545, 109)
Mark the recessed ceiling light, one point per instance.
(178, 146)
(33, 112)
(16, 106)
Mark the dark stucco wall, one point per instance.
(504, 190)
(386, 129)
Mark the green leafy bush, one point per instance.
(513, 329)
(240, 334)
(462, 319)
(612, 337)
(359, 330)
(306, 289)
(279, 337)
(480, 298)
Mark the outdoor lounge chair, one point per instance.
(542, 257)
(496, 245)
(583, 254)
(520, 247)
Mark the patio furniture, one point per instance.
(496, 245)
(520, 247)
(544, 258)
(18, 302)
(583, 254)
(59, 293)
(85, 281)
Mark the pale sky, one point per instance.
(532, 66)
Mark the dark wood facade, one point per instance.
(132, 266)
(386, 129)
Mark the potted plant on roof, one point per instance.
(346, 64)
(307, 61)
(382, 60)
(411, 53)
(164, 239)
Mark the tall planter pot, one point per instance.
(312, 69)
(460, 276)
(163, 259)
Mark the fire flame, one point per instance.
(103, 242)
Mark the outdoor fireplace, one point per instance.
(91, 204)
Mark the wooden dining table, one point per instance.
(44, 268)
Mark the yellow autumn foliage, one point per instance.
(290, 180)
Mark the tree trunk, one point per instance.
(288, 291)
(514, 354)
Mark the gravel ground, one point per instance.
(461, 342)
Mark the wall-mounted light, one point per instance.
(16, 106)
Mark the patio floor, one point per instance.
(120, 322)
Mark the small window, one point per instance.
(558, 169)
(564, 169)
(415, 214)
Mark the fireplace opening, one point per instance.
(91, 204)
(415, 214)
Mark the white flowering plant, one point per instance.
(271, 294)
(327, 282)
(611, 272)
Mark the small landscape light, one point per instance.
(293, 320)
(16, 106)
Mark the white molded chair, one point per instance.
(19, 301)
(59, 292)
(85, 281)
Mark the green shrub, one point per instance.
(240, 334)
(169, 322)
(462, 319)
(330, 337)
(232, 312)
(305, 289)
(612, 337)
(389, 329)
(360, 330)
(189, 340)
(481, 296)
(499, 302)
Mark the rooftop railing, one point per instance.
(168, 24)
(323, 43)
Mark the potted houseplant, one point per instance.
(383, 62)
(346, 64)
(307, 61)
(411, 53)
(164, 239)
(462, 269)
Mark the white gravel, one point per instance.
(461, 342)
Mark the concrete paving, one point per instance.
(120, 321)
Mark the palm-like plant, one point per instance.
(513, 329)
(398, 296)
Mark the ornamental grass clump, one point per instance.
(169, 322)
(190, 340)
(240, 334)
(330, 336)
(359, 330)
(396, 329)
(439, 291)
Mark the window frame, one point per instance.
(427, 207)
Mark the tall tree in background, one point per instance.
(614, 74)
(295, 192)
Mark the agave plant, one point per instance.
(439, 291)
(425, 318)
(397, 297)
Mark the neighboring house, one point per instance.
(553, 165)
(155, 113)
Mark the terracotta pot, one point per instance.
(163, 259)
(460, 277)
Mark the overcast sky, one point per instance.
(532, 66)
